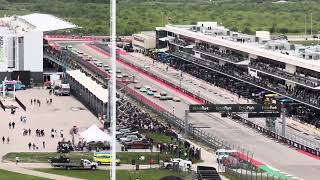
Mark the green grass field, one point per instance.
(150, 174)
(7, 175)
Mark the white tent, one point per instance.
(94, 134)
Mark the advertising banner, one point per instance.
(2, 49)
(244, 108)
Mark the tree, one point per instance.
(247, 30)
(284, 30)
(273, 28)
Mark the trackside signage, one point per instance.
(245, 108)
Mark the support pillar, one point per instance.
(284, 123)
(3, 89)
(109, 100)
(14, 91)
(271, 124)
(186, 123)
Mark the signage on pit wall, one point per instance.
(2, 51)
(244, 108)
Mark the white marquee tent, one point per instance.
(94, 134)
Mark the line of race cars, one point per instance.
(151, 91)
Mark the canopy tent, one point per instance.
(94, 134)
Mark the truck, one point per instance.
(84, 164)
(62, 90)
(9, 87)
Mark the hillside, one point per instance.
(136, 15)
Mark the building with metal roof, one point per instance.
(21, 44)
(273, 64)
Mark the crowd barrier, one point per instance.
(21, 104)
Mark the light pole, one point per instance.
(113, 86)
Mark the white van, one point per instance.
(224, 154)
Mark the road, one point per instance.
(302, 133)
(267, 150)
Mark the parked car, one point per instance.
(123, 135)
(98, 145)
(181, 162)
(121, 127)
(129, 138)
(104, 158)
(140, 144)
(123, 132)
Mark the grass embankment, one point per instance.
(158, 138)
(150, 174)
(125, 157)
(4, 175)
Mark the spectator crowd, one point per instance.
(132, 116)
